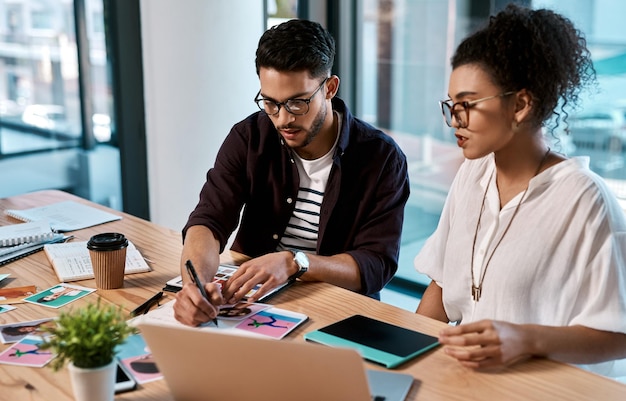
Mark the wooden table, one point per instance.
(438, 377)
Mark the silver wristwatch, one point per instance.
(302, 260)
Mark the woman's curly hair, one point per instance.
(537, 50)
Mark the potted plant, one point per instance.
(86, 339)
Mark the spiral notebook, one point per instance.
(33, 232)
(64, 216)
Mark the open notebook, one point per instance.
(201, 365)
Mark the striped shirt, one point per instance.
(302, 229)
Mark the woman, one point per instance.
(57, 292)
(529, 255)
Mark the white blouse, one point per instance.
(562, 261)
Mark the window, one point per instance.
(279, 11)
(42, 138)
(403, 51)
(393, 59)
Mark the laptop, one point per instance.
(204, 365)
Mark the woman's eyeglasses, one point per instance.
(460, 110)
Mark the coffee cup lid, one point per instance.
(107, 242)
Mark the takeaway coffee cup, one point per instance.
(108, 258)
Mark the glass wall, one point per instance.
(399, 72)
(43, 143)
(403, 51)
(279, 11)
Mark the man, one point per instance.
(322, 192)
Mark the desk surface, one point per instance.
(438, 377)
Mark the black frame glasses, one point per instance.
(297, 107)
(455, 109)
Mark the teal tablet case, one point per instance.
(419, 341)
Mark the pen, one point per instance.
(145, 307)
(194, 278)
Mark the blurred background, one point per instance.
(120, 102)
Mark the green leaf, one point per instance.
(87, 336)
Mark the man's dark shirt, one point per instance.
(362, 210)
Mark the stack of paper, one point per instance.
(255, 319)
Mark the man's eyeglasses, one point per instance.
(460, 110)
(297, 107)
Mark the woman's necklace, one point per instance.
(478, 289)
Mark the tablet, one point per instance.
(376, 341)
(224, 272)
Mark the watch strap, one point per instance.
(301, 268)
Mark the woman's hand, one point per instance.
(486, 345)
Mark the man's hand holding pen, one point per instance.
(190, 298)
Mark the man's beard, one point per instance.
(316, 127)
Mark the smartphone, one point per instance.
(123, 380)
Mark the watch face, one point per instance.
(302, 260)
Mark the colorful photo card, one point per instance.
(143, 368)
(240, 310)
(59, 295)
(16, 295)
(273, 322)
(14, 332)
(27, 353)
(6, 308)
(136, 357)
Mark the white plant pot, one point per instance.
(95, 384)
